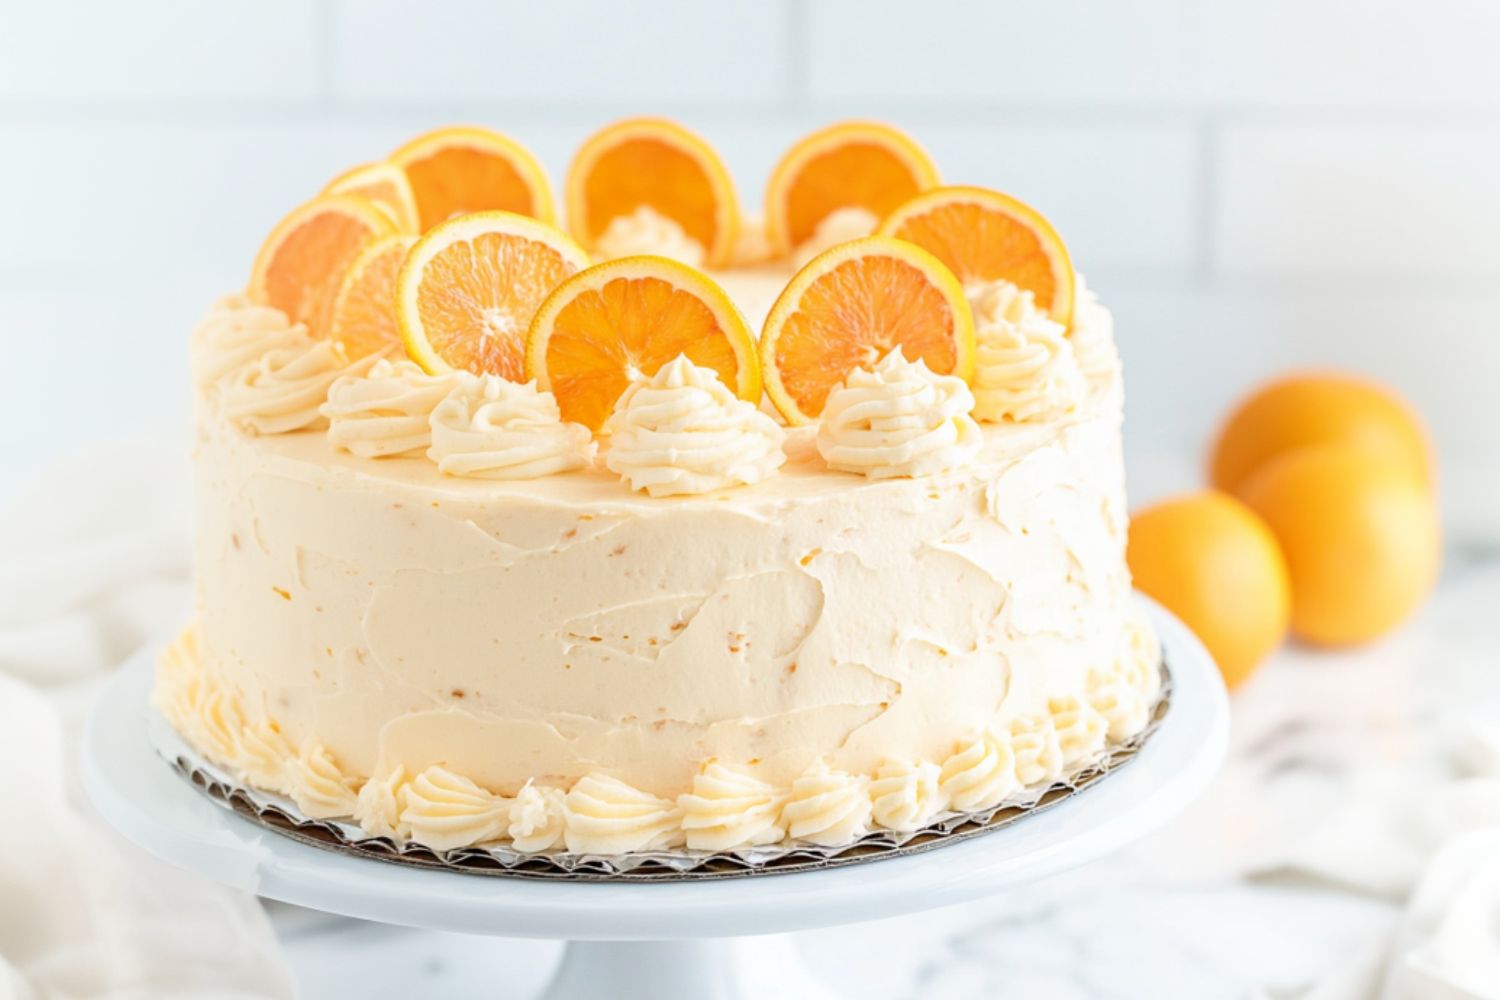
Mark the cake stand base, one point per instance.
(690, 938)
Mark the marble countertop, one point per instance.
(1240, 898)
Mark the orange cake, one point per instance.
(661, 528)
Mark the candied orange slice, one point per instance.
(463, 168)
(467, 292)
(983, 235)
(663, 166)
(855, 164)
(302, 263)
(850, 306)
(385, 184)
(624, 319)
(364, 311)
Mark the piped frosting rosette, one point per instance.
(1025, 369)
(488, 428)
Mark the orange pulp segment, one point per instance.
(364, 311)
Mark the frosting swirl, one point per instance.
(320, 789)
(606, 816)
(236, 332)
(381, 802)
(1125, 690)
(264, 754)
(647, 231)
(1024, 369)
(839, 226)
(682, 431)
(384, 411)
(179, 682)
(284, 388)
(980, 775)
(445, 811)
(1081, 731)
(216, 725)
(728, 809)
(828, 808)
(905, 795)
(488, 428)
(536, 819)
(898, 419)
(1093, 337)
(1033, 741)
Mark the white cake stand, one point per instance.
(675, 939)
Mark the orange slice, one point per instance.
(850, 306)
(623, 320)
(854, 164)
(302, 263)
(467, 292)
(463, 168)
(385, 184)
(983, 235)
(661, 165)
(364, 311)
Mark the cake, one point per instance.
(497, 545)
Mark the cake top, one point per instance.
(430, 303)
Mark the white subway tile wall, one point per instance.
(1252, 185)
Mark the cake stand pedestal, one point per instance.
(683, 938)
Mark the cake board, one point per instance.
(690, 938)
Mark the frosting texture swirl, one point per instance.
(536, 819)
(1024, 369)
(898, 419)
(905, 796)
(236, 332)
(829, 808)
(682, 431)
(381, 803)
(606, 816)
(385, 411)
(446, 810)
(980, 775)
(318, 786)
(728, 809)
(647, 231)
(284, 389)
(1093, 337)
(839, 226)
(489, 428)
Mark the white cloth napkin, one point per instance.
(93, 563)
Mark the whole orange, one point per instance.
(1361, 537)
(1215, 565)
(1312, 409)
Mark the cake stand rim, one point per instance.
(142, 798)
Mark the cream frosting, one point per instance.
(445, 810)
(489, 428)
(682, 431)
(179, 680)
(1126, 689)
(1033, 742)
(647, 231)
(1093, 336)
(319, 786)
(839, 226)
(382, 800)
(728, 809)
(386, 410)
(264, 754)
(1024, 366)
(828, 807)
(284, 389)
(905, 796)
(537, 818)
(603, 815)
(898, 419)
(1081, 731)
(235, 333)
(980, 775)
(218, 725)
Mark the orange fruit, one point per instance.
(364, 311)
(983, 236)
(625, 319)
(463, 168)
(385, 184)
(468, 289)
(1313, 409)
(1361, 537)
(1214, 564)
(661, 165)
(855, 164)
(850, 306)
(302, 263)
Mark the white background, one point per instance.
(1251, 185)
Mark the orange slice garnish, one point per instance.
(850, 306)
(364, 311)
(983, 235)
(385, 184)
(658, 164)
(623, 320)
(303, 262)
(467, 292)
(856, 164)
(463, 168)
